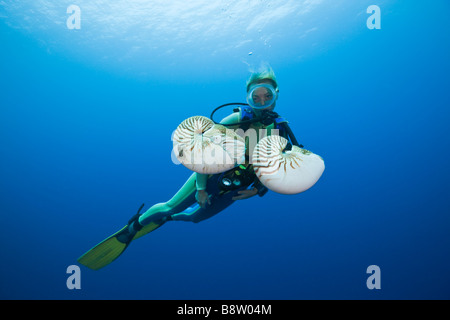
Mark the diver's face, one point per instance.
(262, 96)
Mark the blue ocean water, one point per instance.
(87, 115)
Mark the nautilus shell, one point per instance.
(286, 172)
(205, 147)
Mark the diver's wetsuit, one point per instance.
(183, 205)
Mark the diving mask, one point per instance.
(261, 96)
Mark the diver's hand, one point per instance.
(202, 198)
(245, 194)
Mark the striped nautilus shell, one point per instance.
(205, 147)
(286, 172)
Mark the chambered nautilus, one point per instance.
(205, 147)
(285, 171)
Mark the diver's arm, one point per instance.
(202, 196)
(201, 180)
(245, 194)
(256, 189)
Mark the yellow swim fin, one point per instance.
(105, 252)
(147, 229)
(111, 248)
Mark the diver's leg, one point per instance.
(180, 201)
(154, 217)
(196, 213)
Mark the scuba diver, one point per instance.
(204, 195)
